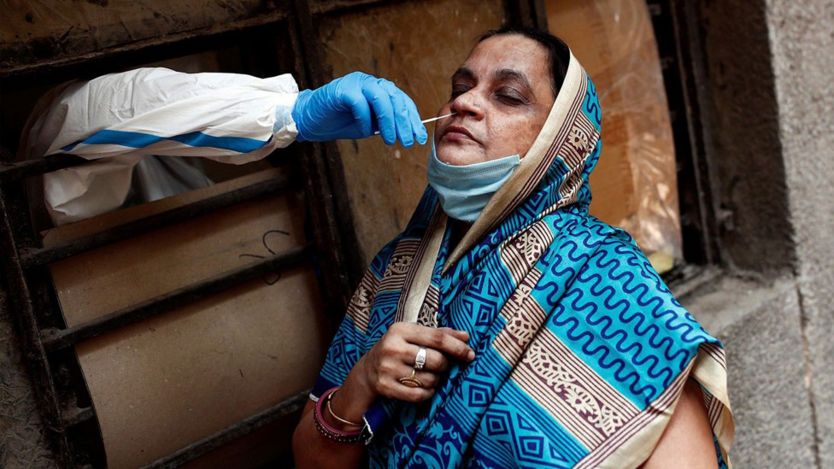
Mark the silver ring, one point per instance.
(420, 359)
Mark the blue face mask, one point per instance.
(465, 190)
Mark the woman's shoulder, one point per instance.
(594, 236)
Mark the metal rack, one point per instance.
(59, 386)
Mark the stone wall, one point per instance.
(764, 87)
(801, 34)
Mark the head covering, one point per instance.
(582, 351)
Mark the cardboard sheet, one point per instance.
(168, 381)
(635, 184)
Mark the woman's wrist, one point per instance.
(354, 397)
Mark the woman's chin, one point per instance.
(459, 155)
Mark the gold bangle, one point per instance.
(340, 419)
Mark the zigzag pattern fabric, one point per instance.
(582, 351)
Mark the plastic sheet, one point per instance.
(635, 185)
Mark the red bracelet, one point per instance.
(330, 431)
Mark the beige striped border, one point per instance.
(400, 263)
(711, 373)
(428, 311)
(417, 282)
(522, 251)
(555, 377)
(634, 443)
(359, 308)
(524, 317)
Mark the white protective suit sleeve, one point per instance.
(122, 117)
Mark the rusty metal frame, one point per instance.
(39, 322)
(282, 409)
(20, 299)
(270, 15)
(323, 173)
(35, 257)
(54, 339)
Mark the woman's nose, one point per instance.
(467, 104)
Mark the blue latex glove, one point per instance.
(355, 105)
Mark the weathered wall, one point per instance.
(801, 37)
(741, 131)
(760, 326)
(763, 82)
(53, 30)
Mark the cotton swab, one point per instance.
(431, 119)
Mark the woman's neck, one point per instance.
(459, 229)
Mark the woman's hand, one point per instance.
(394, 356)
(378, 372)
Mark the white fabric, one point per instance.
(158, 104)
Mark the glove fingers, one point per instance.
(401, 114)
(360, 108)
(417, 127)
(383, 110)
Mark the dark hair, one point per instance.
(557, 51)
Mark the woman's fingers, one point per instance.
(435, 361)
(404, 393)
(445, 341)
(393, 359)
(461, 335)
(450, 342)
(414, 388)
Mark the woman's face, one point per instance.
(501, 96)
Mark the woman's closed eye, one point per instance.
(511, 97)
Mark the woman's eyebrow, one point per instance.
(463, 73)
(508, 74)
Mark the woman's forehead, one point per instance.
(509, 52)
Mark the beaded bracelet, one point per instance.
(330, 431)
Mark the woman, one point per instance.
(505, 326)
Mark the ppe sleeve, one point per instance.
(230, 118)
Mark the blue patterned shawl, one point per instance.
(582, 351)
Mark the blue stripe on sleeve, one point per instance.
(193, 139)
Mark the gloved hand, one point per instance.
(355, 105)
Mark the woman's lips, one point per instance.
(457, 133)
